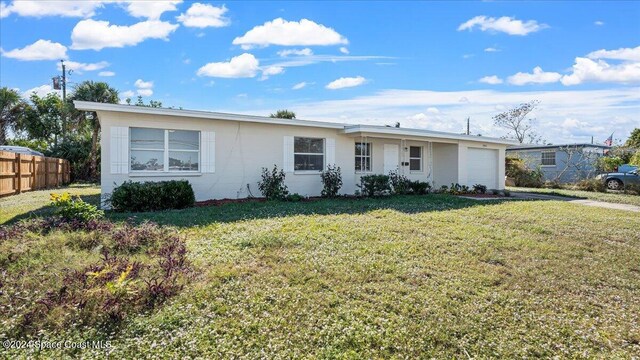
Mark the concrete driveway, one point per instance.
(587, 202)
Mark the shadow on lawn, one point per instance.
(198, 216)
(48, 209)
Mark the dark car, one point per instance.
(618, 180)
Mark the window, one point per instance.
(308, 154)
(164, 150)
(415, 158)
(363, 157)
(548, 158)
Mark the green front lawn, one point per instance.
(611, 197)
(402, 277)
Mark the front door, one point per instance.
(391, 156)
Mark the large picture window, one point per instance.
(363, 157)
(548, 158)
(164, 150)
(308, 154)
(415, 158)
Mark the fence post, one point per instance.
(19, 172)
(34, 177)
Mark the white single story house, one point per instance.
(222, 155)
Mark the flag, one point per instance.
(609, 140)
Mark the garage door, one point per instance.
(482, 167)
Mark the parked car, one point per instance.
(20, 150)
(624, 168)
(618, 180)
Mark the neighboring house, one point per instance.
(20, 150)
(222, 154)
(563, 163)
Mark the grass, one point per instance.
(36, 203)
(611, 197)
(403, 277)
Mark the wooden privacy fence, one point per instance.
(20, 173)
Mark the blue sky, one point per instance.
(424, 64)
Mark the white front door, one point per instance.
(391, 155)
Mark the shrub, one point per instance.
(591, 185)
(420, 187)
(295, 197)
(74, 209)
(272, 185)
(374, 185)
(400, 184)
(506, 193)
(609, 163)
(635, 159)
(152, 196)
(331, 180)
(479, 189)
(523, 176)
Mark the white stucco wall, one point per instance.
(243, 148)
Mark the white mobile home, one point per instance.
(222, 155)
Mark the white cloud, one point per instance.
(344, 50)
(127, 94)
(598, 22)
(491, 49)
(504, 24)
(585, 70)
(468, 56)
(433, 110)
(144, 88)
(241, 66)
(204, 15)
(106, 73)
(80, 67)
(151, 10)
(615, 109)
(626, 54)
(492, 80)
(97, 35)
(39, 50)
(41, 91)
(271, 70)
(299, 85)
(346, 82)
(40, 8)
(538, 76)
(290, 33)
(298, 52)
(4, 10)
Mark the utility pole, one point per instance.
(64, 81)
(468, 132)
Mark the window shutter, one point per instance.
(119, 150)
(208, 151)
(288, 154)
(331, 151)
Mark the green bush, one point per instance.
(295, 197)
(374, 185)
(609, 163)
(420, 187)
(635, 159)
(523, 176)
(74, 209)
(152, 196)
(591, 185)
(331, 180)
(272, 185)
(400, 184)
(479, 189)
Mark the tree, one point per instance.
(634, 139)
(140, 102)
(96, 92)
(516, 122)
(283, 114)
(11, 108)
(42, 119)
